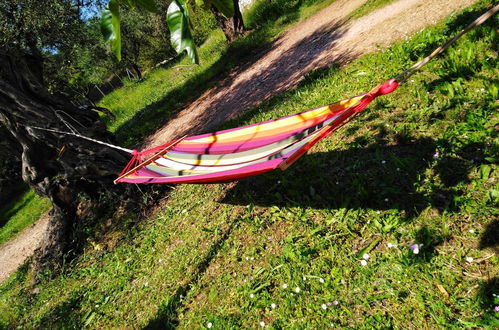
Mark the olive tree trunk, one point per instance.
(231, 27)
(64, 169)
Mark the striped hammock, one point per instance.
(237, 153)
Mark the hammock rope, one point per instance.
(409, 72)
(130, 151)
(250, 150)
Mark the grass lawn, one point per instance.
(369, 6)
(328, 242)
(19, 214)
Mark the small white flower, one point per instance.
(304, 278)
(363, 262)
(386, 199)
(252, 258)
(262, 324)
(383, 162)
(469, 259)
(247, 258)
(398, 169)
(252, 295)
(378, 212)
(209, 325)
(324, 306)
(321, 280)
(297, 290)
(391, 245)
(471, 231)
(273, 306)
(284, 286)
(365, 256)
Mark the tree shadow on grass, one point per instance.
(490, 238)
(488, 301)
(9, 210)
(378, 177)
(429, 239)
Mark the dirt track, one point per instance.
(15, 252)
(321, 40)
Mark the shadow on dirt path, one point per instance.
(319, 41)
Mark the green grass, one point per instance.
(369, 6)
(19, 214)
(418, 167)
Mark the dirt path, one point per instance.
(15, 252)
(321, 40)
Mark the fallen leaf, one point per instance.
(442, 290)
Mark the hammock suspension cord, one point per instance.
(130, 151)
(409, 72)
(402, 77)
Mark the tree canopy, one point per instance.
(178, 19)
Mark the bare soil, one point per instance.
(321, 40)
(15, 252)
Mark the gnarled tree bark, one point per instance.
(58, 167)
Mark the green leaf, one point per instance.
(485, 172)
(110, 27)
(177, 18)
(148, 5)
(226, 7)
(368, 248)
(130, 4)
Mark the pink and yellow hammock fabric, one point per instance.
(237, 153)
